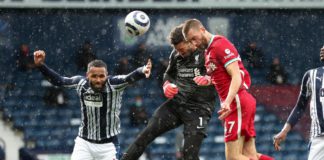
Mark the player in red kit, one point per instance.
(231, 80)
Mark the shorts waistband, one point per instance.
(108, 140)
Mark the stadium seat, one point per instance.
(2, 154)
(54, 128)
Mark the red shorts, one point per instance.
(240, 122)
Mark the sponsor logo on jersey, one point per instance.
(227, 51)
(186, 72)
(318, 78)
(229, 56)
(92, 99)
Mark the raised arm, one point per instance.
(139, 73)
(51, 75)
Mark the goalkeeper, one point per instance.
(187, 104)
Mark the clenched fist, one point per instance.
(39, 57)
(147, 68)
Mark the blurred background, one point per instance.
(277, 40)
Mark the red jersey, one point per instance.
(219, 54)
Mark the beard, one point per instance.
(204, 43)
(203, 46)
(96, 88)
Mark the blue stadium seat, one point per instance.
(51, 128)
(2, 154)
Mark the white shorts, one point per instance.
(84, 150)
(316, 151)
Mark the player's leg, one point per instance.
(235, 130)
(249, 150)
(81, 150)
(192, 145)
(249, 147)
(195, 130)
(162, 121)
(248, 105)
(233, 149)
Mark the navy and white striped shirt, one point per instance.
(99, 110)
(312, 90)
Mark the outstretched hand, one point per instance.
(147, 68)
(39, 57)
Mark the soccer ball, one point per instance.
(137, 23)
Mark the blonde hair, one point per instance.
(191, 24)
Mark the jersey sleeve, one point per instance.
(225, 52)
(121, 81)
(58, 80)
(171, 71)
(302, 101)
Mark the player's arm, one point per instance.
(234, 71)
(236, 80)
(139, 73)
(169, 76)
(296, 113)
(51, 75)
(225, 53)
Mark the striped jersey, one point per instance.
(99, 110)
(312, 91)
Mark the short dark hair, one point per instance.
(189, 24)
(176, 36)
(96, 63)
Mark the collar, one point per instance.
(211, 40)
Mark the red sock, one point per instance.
(265, 157)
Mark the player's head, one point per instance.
(194, 32)
(97, 74)
(322, 54)
(183, 47)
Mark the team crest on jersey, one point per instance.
(197, 59)
(211, 67)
